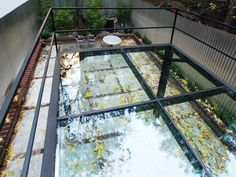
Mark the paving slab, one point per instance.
(14, 168)
(51, 68)
(40, 68)
(32, 94)
(41, 128)
(47, 91)
(53, 52)
(20, 140)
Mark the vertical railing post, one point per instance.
(173, 27)
(165, 72)
(54, 30)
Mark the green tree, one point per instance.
(123, 14)
(64, 19)
(44, 6)
(94, 17)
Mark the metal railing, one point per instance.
(50, 141)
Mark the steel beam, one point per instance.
(115, 29)
(186, 97)
(48, 162)
(26, 164)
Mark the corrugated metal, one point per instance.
(219, 64)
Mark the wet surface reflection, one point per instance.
(133, 144)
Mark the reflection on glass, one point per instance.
(120, 145)
(96, 82)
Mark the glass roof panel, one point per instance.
(96, 82)
(129, 144)
(182, 78)
(210, 129)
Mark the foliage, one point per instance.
(138, 34)
(94, 17)
(64, 19)
(44, 5)
(146, 40)
(224, 11)
(177, 70)
(161, 53)
(123, 15)
(226, 116)
(46, 34)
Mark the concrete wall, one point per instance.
(17, 32)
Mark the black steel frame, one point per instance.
(157, 101)
(36, 115)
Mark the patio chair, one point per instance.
(81, 41)
(91, 40)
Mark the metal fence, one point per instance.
(222, 65)
(165, 23)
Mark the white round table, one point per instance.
(111, 40)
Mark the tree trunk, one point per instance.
(77, 14)
(230, 13)
(206, 4)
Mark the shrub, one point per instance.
(146, 40)
(138, 34)
(64, 19)
(123, 15)
(46, 34)
(94, 17)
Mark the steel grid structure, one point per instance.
(157, 100)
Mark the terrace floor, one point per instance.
(18, 146)
(103, 81)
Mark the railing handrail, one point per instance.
(4, 109)
(36, 114)
(145, 8)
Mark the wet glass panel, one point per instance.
(209, 126)
(182, 77)
(119, 144)
(96, 82)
